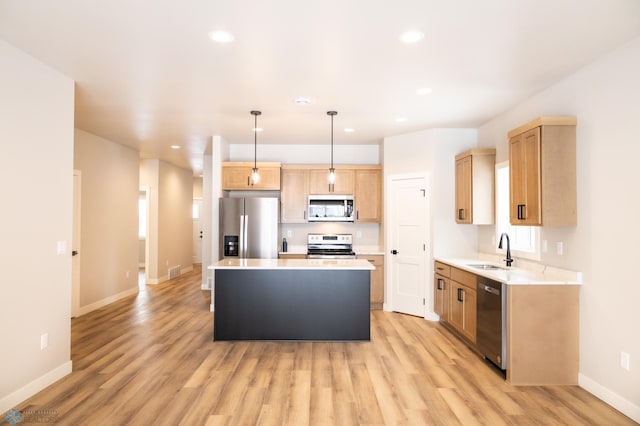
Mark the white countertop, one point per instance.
(317, 264)
(535, 275)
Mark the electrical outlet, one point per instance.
(625, 361)
(545, 246)
(127, 275)
(358, 234)
(560, 248)
(44, 341)
(289, 233)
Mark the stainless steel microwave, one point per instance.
(330, 208)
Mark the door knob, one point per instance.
(394, 252)
(74, 253)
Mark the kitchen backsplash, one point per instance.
(364, 234)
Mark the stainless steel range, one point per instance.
(330, 246)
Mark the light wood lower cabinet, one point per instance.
(542, 326)
(377, 280)
(441, 289)
(462, 313)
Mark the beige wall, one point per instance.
(170, 238)
(109, 227)
(175, 222)
(604, 97)
(36, 175)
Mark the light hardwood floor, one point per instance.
(150, 359)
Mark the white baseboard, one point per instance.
(621, 404)
(432, 316)
(104, 302)
(164, 278)
(27, 391)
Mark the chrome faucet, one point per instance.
(509, 260)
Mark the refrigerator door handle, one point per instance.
(246, 233)
(241, 243)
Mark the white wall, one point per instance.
(109, 224)
(605, 97)
(307, 154)
(433, 152)
(36, 175)
(170, 236)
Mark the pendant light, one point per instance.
(255, 176)
(332, 171)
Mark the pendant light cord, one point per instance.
(332, 141)
(255, 141)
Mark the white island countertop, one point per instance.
(311, 264)
(538, 275)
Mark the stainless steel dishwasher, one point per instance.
(491, 335)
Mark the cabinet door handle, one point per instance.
(304, 215)
(440, 283)
(357, 214)
(460, 295)
(460, 214)
(521, 215)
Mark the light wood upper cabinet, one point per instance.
(294, 195)
(237, 176)
(542, 173)
(319, 182)
(475, 181)
(364, 182)
(368, 195)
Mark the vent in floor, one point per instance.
(174, 272)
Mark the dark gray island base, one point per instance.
(292, 304)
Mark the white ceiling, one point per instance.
(149, 77)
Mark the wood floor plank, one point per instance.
(150, 359)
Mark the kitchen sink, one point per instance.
(486, 266)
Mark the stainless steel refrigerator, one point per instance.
(249, 228)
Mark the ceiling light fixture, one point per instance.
(401, 120)
(423, 91)
(349, 130)
(175, 146)
(332, 171)
(411, 37)
(255, 176)
(221, 36)
(302, 101)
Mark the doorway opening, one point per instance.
(143, 241)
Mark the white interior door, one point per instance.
(76, 252)
(197, 231)
(408, 244)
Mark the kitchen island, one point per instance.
(291, 299)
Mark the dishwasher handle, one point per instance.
(491, 290)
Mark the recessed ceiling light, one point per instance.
(401, 119)
(258, 129)
(411, 37)
(349, 130)
(175, 146)
(423, 91)
(221, 36)
(302, 101)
